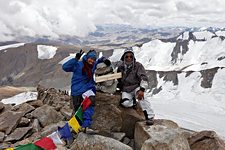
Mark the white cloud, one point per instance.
(77, 18)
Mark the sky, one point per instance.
(52, 19)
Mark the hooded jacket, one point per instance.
(80, 82)
(133, 77)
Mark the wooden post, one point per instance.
(108, 77)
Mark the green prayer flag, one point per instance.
(79, 113)
(29, 146)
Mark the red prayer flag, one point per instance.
(46, 143)
(86, 103)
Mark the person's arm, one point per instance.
(141, 73)
(70, 65)
(119, 84)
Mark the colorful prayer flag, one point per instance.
(46, 143)
(88, 94)
(56, 138)
(74, 124)
(65, 132)
(79, 113)
(86, 103)
(87, 116)
(29, 146)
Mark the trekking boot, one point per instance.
(149, 121)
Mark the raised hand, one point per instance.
(78, 55)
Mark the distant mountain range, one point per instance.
(21, 66)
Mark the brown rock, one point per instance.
(130, 117)
(66, 111)
(36, 126)
(1, 106)
(164, 134)
(47, 115)
(2, 135)
(52, 128)
(24, 107)
(207, 140)
(18, 134)
(97, 142)
(107, 116)
(36, 103)
(9, 120)
(23, 122)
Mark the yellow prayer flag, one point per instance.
(74, 124)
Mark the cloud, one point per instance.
(53, 19)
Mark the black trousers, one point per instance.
(77, 100)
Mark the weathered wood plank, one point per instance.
(108, 77)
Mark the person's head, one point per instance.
(91, 57)
(128, 56)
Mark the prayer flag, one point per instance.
(56, 138)
(74, 124)
(65, 132)
(46, 143)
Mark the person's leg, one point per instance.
(147, 110)
(127, 99)
(88, 113)
(76, 101)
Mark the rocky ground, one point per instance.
(113, 127)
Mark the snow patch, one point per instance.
(46, 52)
(21, 98)
(11, 46)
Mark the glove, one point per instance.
(78, 55)
(107, 62)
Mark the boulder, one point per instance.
(107, 116)
(97, 142)
(24, 122)
(207, 140)
(130, 117)
(9, 120)
(36, 126)
(2, 135)
(66, 111)
(52, 128)
(24, 107)
(1, 106)
(18, 134)
(36, 103)
(164, 134)
(47, 115)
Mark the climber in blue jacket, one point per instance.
(82, 79)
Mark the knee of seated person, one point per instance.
(126, 103)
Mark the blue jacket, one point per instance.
(80, 82)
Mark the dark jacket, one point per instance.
(133, 77)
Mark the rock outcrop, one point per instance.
(113, 127)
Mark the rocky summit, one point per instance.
(113, 127)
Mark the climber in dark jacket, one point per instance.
(83, 81)
(133, 84)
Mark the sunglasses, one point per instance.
(129, 56)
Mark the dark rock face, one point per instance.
(169, 76)
(208, 76)
(181, 47)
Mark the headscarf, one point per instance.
(87, 68)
